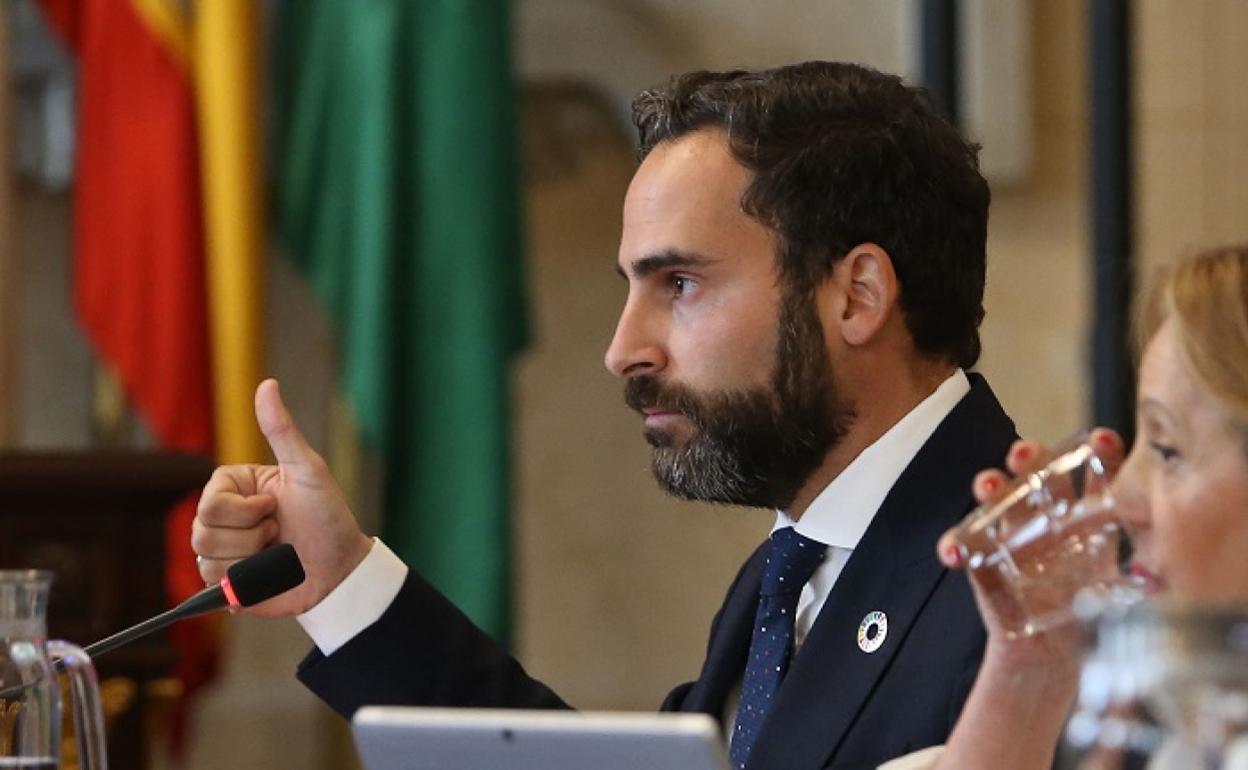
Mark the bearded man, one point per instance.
(805, 254)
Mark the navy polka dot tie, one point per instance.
(791, 560)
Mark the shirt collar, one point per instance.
(841, 513)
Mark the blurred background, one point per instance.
(408, 212)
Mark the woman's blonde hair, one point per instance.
(1206, 295)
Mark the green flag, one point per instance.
(398, 194)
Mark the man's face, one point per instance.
(729, 370)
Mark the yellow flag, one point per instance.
(225, 51)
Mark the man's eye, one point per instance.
(1165, 452)
(681, 284)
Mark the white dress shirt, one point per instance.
(838, 516)
(841, 513)
(357, 602)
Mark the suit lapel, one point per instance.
(893, 570)
(730, 642)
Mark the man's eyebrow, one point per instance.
(663, 260)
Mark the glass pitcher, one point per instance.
(1166, 688)
(30, 696)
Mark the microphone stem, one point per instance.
(166, 618)
(108, 643)
(208, 600)
(262, 576)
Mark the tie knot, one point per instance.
(791, 560)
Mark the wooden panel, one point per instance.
(8, 275)
(96, 520)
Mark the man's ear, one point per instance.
(868, 289)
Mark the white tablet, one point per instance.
(405, 738)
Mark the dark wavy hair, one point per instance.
(841, 155)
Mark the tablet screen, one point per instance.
(409, 738)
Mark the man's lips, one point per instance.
(653, 417)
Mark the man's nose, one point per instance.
(636, 347)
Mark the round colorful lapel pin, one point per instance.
(872, 631)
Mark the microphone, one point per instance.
(259, 577)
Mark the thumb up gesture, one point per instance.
(245, 508)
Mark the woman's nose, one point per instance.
(1130, 493)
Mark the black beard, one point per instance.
(753, 447)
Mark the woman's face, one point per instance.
(1183, 490)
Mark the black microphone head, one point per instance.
(266, 574)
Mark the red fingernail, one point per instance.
(952, 556)
(1104, 440)
(990, 485)
(1022, 453)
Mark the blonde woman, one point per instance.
(1182, 492)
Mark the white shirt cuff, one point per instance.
(357, 602)
(915, 760)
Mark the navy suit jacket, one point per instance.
(839, 707)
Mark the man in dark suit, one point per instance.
(805, 254)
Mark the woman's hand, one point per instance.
(1056, 646)
(1014, 715)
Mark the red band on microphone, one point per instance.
(229, 592)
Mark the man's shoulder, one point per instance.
(981, 403)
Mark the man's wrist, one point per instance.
(358, 601)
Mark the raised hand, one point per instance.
(245, 508)
(990, 486)
(1026, 685)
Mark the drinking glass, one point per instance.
(1050, 542)
(1165, 687)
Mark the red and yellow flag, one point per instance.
(168, 239)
